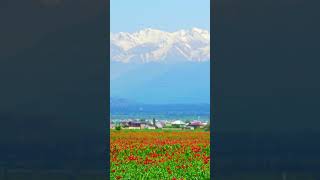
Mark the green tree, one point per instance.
(207, 127)
(118, 128)
(154, 121)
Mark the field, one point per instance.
(142, 154)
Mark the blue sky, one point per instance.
(168, 15)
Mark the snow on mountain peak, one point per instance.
(152, 45)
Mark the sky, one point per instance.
(168, 15)
(153, 84)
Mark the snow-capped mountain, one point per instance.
(152, 45)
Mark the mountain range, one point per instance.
(157, 67)
(152, 45)
(121, 106)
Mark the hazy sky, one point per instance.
(169, 15)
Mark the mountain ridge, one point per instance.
(153, 45)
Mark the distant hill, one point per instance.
(125, 106)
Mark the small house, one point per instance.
(178, 124)
(196, 124)
(158, 125)
(112, 126)
(134, 124)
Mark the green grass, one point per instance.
(158, 154)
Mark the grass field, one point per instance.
(154, 154)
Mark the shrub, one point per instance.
(118, 128)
